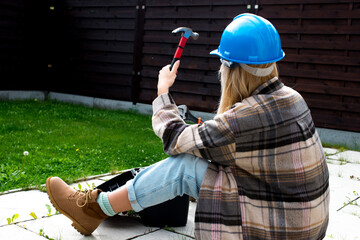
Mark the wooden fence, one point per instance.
(114, 49)
(12, 36)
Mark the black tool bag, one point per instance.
(172, 213)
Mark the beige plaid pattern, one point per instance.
(268, 177)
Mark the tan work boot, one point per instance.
(80, 206)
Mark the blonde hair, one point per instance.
(237, 84)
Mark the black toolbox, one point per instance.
(172, 213)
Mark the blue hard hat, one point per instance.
(250, 39)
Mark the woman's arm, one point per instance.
(212, 138)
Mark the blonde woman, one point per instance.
(257, 169)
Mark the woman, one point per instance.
(265, 174)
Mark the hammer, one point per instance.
(186, 33)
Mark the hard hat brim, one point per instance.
(216, 52)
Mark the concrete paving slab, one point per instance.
(15, 232)
(343, 227)
(346, 171)
(339, 137)
(23, 203)
(74, 99)
(341, 190)
(114, 228)
(345, 157)
(144, 108)
(163, 235)
(350, 156)
(343, 224)
(123, 227)
(112, 104)
(56, 227)
(4, 95)
(334, 158)
(106, 178)
(330, 151)
(26, 95)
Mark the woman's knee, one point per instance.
(190, 166)
(187, 161)
(184, 159)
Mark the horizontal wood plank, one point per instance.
(323, 89)
(97, 3)
(100, 34)
(335, 106)
(316, 74)
(331, 45)
(115, 12)
(106, 46)
(278, 13)
(323, 59)
(12, 3)
(184, 75)
(336, 122)
(184, 87)
(121, 58)
(106, 68)
(116, 24)
(103, 79)
(165, 3)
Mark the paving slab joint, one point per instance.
(180, 233)
(144, 234)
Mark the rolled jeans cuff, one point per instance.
(132, 197)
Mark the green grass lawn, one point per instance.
(71, 142)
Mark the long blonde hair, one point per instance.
(237, 84)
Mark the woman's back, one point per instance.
(276, 181)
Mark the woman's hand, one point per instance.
(167, 78)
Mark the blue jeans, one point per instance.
(174, 176)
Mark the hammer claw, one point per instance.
(186, 33)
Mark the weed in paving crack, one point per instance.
(12, 219)
(41, 233)
(33, 215)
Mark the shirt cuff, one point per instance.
(161, 101)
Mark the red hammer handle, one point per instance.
(179, 51)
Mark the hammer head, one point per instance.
(187, 32)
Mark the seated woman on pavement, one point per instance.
(257, 169)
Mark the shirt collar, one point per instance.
(268, 87)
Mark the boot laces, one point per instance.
(83, 195)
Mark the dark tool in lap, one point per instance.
(186, 115)
(172, 213)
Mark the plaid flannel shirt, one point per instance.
(268, 177)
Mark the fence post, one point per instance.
(138, 44)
